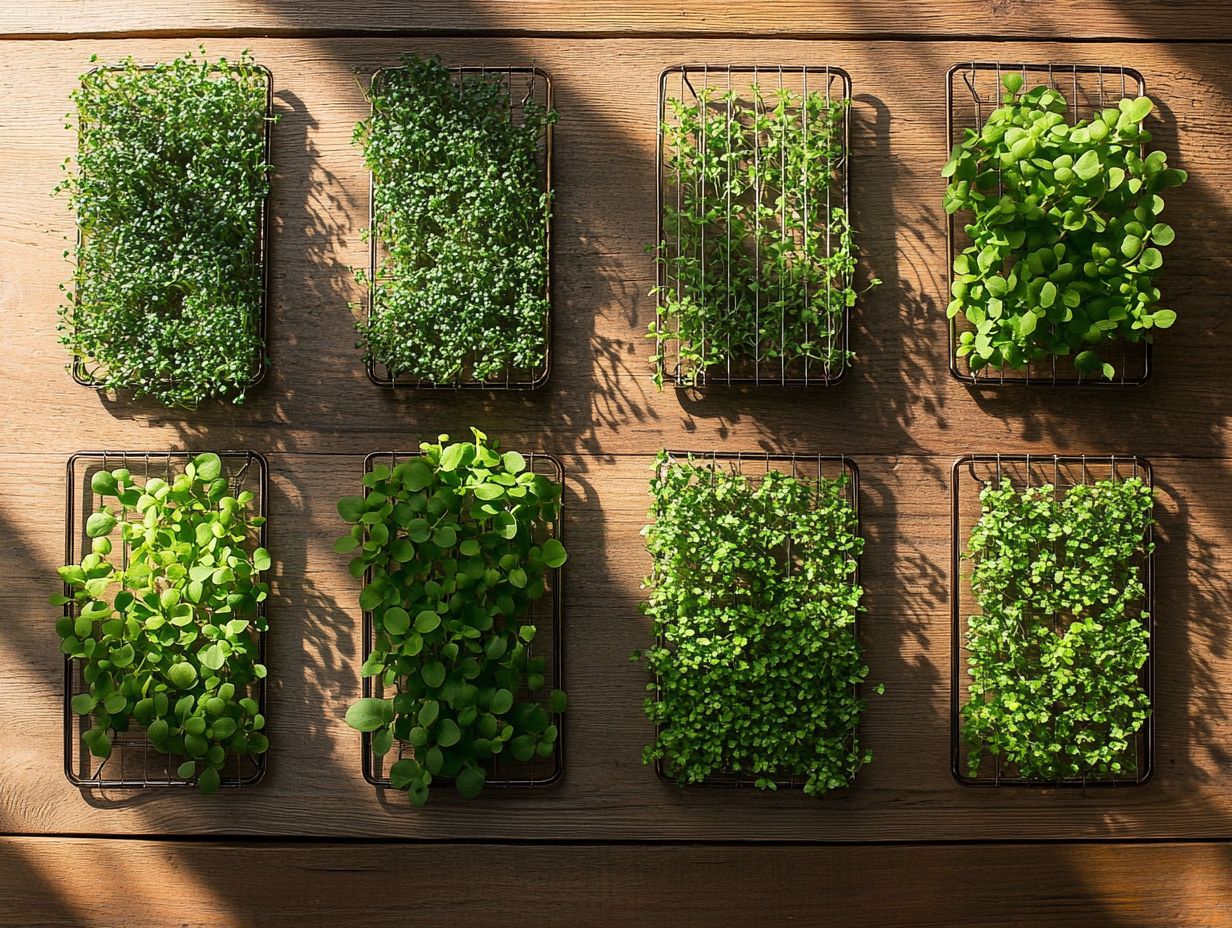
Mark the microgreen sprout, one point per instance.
(1056, 649)
(1064, 232)
(455, 549)
(169, 188)
(461, 216)
(753, 602)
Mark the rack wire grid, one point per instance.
(525, 85)
(812, 467)
(971, 473)
(134, 761)
(505, 772)
(1088, 89)
(89, 374)
(766, 364)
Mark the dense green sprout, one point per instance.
(461, 214)
(754, 601)
(169, 188)
(455, 547)
(165, 623)
(1064, 233)
(1055, 652)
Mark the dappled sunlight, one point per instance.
(899, 414)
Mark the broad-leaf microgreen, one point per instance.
(167, 636)
(461, 216)
(169, 187)
(454, 548)
(1064, 229)
(754, 268)
(1055, 652)
(753, 602)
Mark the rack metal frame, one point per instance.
(1056, 469)
(798, 373)
(1111, 83)
(511, 774)
(243, 770)
(528, 379)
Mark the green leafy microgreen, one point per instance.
(451, 582)
(461, 216)
(1064, 233)
(754, 604)
(168, 188)
(166, 634)
(755, 269)
(1055, 652)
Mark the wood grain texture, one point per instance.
(899, 414)
(318, 885)
(1096, 19)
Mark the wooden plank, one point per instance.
(142, 884)
(1151, 20)
(314, 785)
(898, 399)
(899, 414)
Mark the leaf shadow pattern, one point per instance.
(1192, 600)
(904, 564)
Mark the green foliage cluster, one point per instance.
(754, 603)
(1056, 649)
(169, 190)
(461, 215)
(1064, 232)
(755, 269)
(168, 642)
(453, 550)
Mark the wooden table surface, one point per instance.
(612, 844)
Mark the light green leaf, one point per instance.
(369, 714)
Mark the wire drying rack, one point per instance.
(504, 772)
(89, 374)
(134, 761)
(972, 91)
(969, 476)
(768, 365)
(813, 467)
(524, 85)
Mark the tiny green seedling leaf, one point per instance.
(369, 714)
(460, 212)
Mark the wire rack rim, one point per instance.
(1111, 461)
(77, 368)
(72, 742)
(540, 373)
(557, 619)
